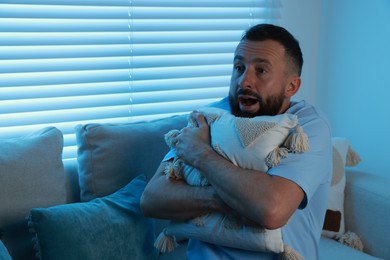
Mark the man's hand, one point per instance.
(193, 142)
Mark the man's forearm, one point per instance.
(174, 199)
(266, 200)
(232, 185)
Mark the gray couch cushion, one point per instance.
(111, 155)
(31, 175)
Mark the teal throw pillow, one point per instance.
(111, 227)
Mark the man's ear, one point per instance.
(293, 86)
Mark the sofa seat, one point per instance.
(331, 249)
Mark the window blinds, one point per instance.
(69, 62)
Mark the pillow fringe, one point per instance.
(174, 169)
(289, 254)
(353, 158)
(297, 141)
(275, 156)
(350, 239)
(165, 243)
(170, 137)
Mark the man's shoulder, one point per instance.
(302, 106)
(313, 121)
(223, 104)
(307, 113)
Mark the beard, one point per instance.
(267, 107)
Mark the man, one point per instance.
(293, 195)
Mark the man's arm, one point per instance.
(174, 199)
(267, 200)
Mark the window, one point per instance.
(69, 62)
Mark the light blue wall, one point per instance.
(302, 19)
(353, 71)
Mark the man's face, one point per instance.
(259, 79)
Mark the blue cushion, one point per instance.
(111, 227)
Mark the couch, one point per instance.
(89, 208)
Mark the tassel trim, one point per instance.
(165, 243)
(289, 254)
(353, 158)
(275, 156)
(173, 169)
(170, 138)
(350, 239)
(297, 141)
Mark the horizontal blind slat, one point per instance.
(153, 3)
(101, 88)
(135, 12)
(105, 112)
(122, 25)
(113, 63)
(68, 127)
(45, 105)
(71, 77)
(56, 116)
(95, 38)
(112, 50)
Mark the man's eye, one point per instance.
(238, 68)
(261, 70)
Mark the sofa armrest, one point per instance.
(367, 205)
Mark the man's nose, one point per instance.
(247, 80)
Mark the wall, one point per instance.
(302, 19)
(353, 76)
(346, 47)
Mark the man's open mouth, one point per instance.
(247, 100)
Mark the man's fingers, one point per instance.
(198, 119)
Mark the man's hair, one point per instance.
(262, 32)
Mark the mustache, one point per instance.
(247, 92)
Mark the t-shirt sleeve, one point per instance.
(313, 167)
